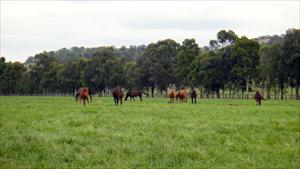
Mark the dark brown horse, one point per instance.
(118, 95)
(193, 94)
(135, 93)
(258, 97)
(83, 94)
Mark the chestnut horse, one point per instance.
(182, 95)
(193, 94)
(171, 95)
(135, 93)
(118, 95)
(83, 93)
(258, 97)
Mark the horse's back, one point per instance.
(83, 91)
(117, 92)
(136, 93)
(183, 93)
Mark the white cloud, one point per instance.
(32, 26)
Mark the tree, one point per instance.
(291, 52)
(43, 74)
(131, 74)
(279, 67)
(188, 51)
(11, 80)
(266, 53)
(157, 64)
(226, 37)
(246, 60)
(71, 76)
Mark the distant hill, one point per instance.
(270, 40)
(65, 55)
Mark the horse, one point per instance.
(171, 95)
(258, 97)
(193, 95)
(135, 93)
(182, 95)
(118, 95)
(83, 93)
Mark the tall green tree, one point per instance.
(188, 51)
(157, 64)
(11, 80)
(246, 60)
(291, 51)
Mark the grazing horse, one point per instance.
(182, 95)
(258, 97)
(118, 95)
(193, 94)
(135, 93)
(83, 93)
(171, 94)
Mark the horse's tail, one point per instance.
(145, 93)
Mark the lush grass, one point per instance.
(56, 132)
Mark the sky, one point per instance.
(30, 27)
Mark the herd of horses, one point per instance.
(85, 95)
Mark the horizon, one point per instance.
(28, 28)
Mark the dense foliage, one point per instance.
(229, 64)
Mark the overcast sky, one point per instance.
(31, 27)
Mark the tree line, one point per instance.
(230, 64)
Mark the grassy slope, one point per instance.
(56, 132)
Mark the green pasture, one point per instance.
(57, 132)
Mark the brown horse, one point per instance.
(182, 95)
(171, 95)
(135, 93)
(118, 95)
(83, 93)
(258, 97)
(193, 94)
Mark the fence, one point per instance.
(158, 95)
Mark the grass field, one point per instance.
(56, 132)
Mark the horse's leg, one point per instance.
(133, 98)
(140, 98)
(195, 100)
(121, 99)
